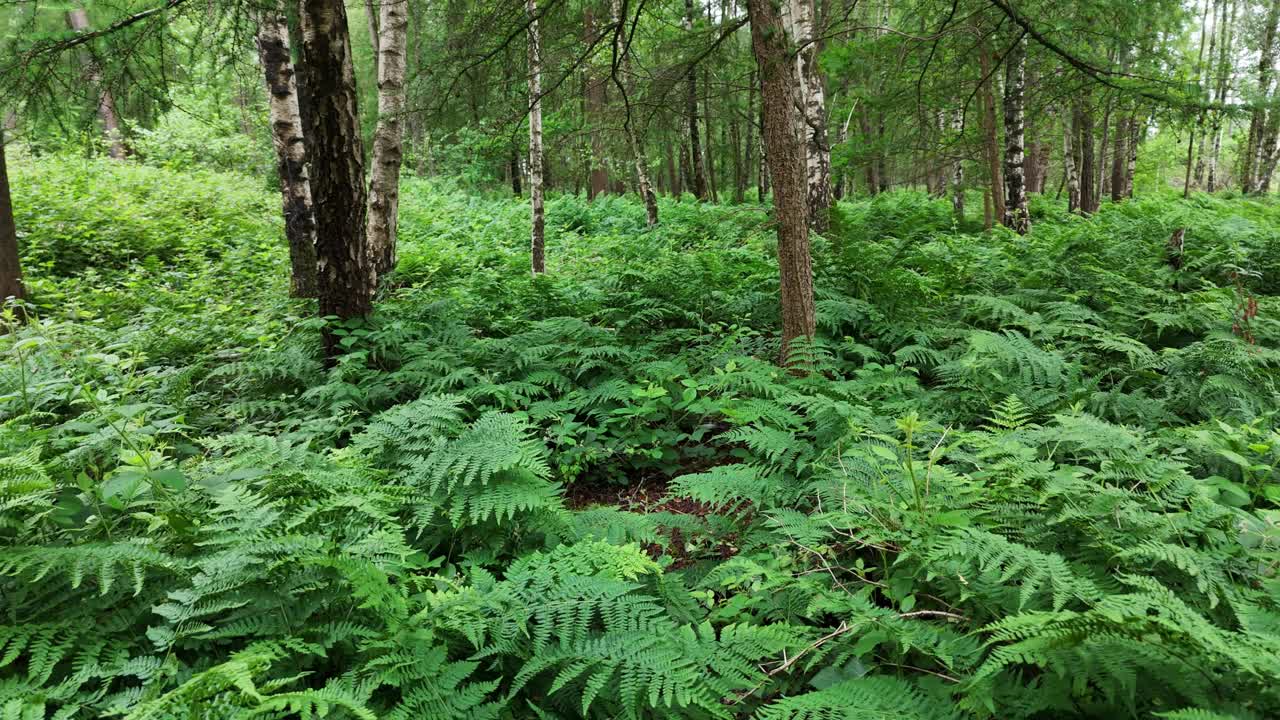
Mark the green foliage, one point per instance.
(1014, 478)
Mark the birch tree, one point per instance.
(813, 123)
(538, 240)
(1016, 216)
(388, 153)
(290, 147)
(345, 275)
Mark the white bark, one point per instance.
(291, 154)
(813, 119)
(538, 239)
(388, 152)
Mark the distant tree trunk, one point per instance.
(1202, 75)
(291, 150)
(513, 163)
(814, 117)
(787, 167)
(1102, 179)
(697, 170)
(1070, 134)
(538, 243)
(748, 160)
(346, 278)
(874, 182)
(1137, 129)
(388, 154)
(78, 20)
(10, 263)
(1088, 188)
(708, 146)
(375, 35)
(1120, 158)
(643, 185)
(990, 132)
(1223, 87)
(673, 174)
(598, 176)
(957, 166)
(1261, 123)
(1016, 216)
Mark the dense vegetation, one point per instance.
(1014, 476)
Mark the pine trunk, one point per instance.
(10, 262)
(1016, 214)
(78, 20)
(1087, 170)
(346, 279)
(786, 160)
(291, 150)
(537, 245)
(697, 169)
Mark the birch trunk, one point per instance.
(78, 20)
(291, 150)
(1261, 121)
(537, 246)
(346, 279)
(814, 116)
(1016, 215)
(786, 160)
(388, 138)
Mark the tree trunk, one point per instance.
(957, 166)
(346, 278)
(708, 147)
(697, 170)
(598, 175)
(1120, 158)
(814, 116)
(1071, 172)
(748, 160)
(787, 167)
(1261, 123)
(384, 186)
(1137, 130)
(1087, 173)
(537, 245)
(990, 133)
(513, 165)
(291, 150)
(78, 20)
(1016, 216)
(10, 263)
(375, 35)
(643, 185)
(673, 174)
(1224, 85)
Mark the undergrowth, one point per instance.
(1019, 477)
